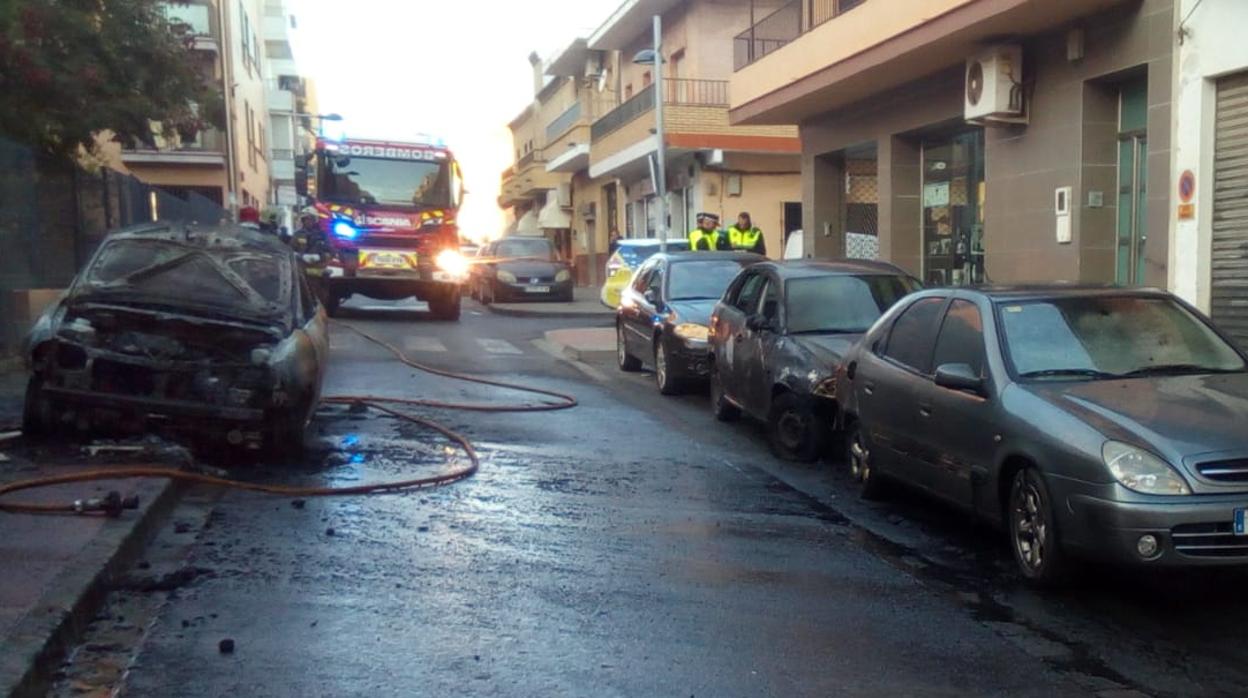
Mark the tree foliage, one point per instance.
(70, 69)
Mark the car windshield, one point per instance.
(842, 303)
(179, 274)
(701, 280)
(360, 180)
(1110, 337)
(538, 248)
(634, 255)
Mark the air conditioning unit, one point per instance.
(589, 210)
(994, 86)
(564, 195)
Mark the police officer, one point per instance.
(707, 237)
(745, 237)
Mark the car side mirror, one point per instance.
(759, 323)
(959, 377)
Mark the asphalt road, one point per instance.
(630, 547)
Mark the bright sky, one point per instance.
(457, 69)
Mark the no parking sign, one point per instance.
(1187, 189)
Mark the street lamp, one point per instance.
(654, 56)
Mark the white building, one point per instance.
(1209, 180)
(289, 94)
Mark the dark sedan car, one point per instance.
(193, 330)
(521, 269)
(665, 311)
(777, 339)
(1105, 423)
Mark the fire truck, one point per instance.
(387, 211)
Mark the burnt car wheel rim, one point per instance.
(859, 463)
(660, 366)
(1030, 524)
(792, 427)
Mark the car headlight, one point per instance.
(563, 275)
(693, 332)
(506, 276)
(452, 262)
(1141, 471)
(826, 388)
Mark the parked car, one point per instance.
(1095, 422)
(777, 339)
(626, 259)
(208, 331)
(521, 269)
(665, 313)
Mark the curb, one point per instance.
(583, 355)
(38, 643)
(605, 315)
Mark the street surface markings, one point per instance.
(498, 346)
(418, 343)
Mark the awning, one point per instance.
(527, 225)
(552, 216)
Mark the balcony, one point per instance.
(200, 20)
(676, 91)
(564, 122)
(784, 25)
(813, 56)
(208, 148)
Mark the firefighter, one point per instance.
(745, 237)
(309, 237)
(707, 237)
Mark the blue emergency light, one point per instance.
(345, 230)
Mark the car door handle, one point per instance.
(925, 410)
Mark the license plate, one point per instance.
(1241, 522)
(382, 260)
(537, 289)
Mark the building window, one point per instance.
(251, 134)
(953, 209)
(628, 92)
(645, 79)
(245, 35)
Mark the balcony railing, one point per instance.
(533, 156)
(563, 122)
(677, 91)
(783, 26)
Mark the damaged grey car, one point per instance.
(191, 331)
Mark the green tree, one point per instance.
(70, 69)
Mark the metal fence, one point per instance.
(783, 26)
(54, 215)
(563, 122)
(639, 104)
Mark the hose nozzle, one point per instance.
(111, 504)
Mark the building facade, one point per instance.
(982, 140)
(1209, 179)
(228, 167)
(595, 133)
(291, 101)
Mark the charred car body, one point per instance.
(182, 329)
(778, 338)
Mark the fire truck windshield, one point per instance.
(375, 181)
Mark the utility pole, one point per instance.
(660, 186)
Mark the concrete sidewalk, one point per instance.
(586, 305)
(58, 568)
(583, 343)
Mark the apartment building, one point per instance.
(228, 167)
(984, 140)
(291, 101)
(1209, 179)
(596, 131)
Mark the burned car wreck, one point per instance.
(193, 331)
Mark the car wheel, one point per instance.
(858, 455)
(626, 361)
(286, 439)
(664, 377)
(723, 410)
(37, 416)
(446, 305)
(793, 429)
(1033, 530)
(332, 305)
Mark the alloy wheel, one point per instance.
(1031, 526)
(660, 367)
(859, 459)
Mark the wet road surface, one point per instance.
(630, 547)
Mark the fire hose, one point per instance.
(113, 503)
